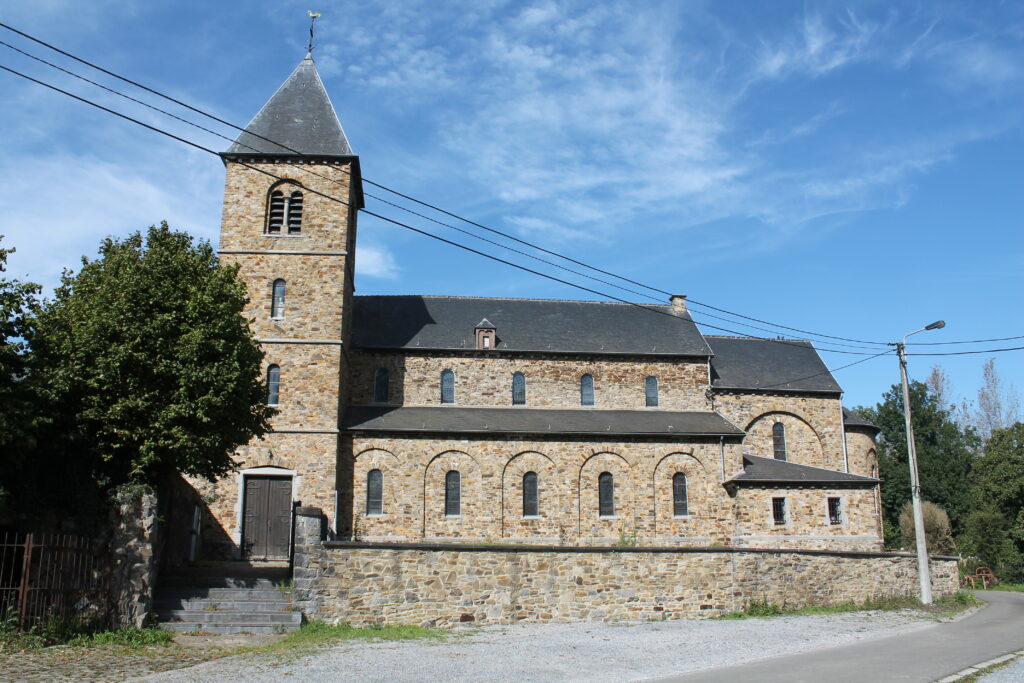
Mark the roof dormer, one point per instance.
(486, 335)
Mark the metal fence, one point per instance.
(46, 576)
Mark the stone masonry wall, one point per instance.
(305, 340)
(492, 471)
(443, 585)
(807, 522)
(814, 429)
(551, 381)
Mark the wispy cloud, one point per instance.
(376, 261)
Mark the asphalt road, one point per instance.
(924, 655)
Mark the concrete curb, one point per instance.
(977, 668)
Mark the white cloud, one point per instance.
(375, 261)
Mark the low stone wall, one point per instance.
(440, 584)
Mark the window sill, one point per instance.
(531, 517)
(453, 516)
(607, 516)
(682, 516)
(374, 515)
(274, 235)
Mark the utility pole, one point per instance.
(915, 484)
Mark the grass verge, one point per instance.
(1012, 587)
(315, 634)
(941, 608)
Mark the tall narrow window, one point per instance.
(587, 390)
(452, 494)
(779, 440)
(518, 389)
(447, 386)
(275, 219)
(606, 495)
(277, 300)
(779, 510)
(530, 504)
(835, 511)
(651, 392)
(273, 385)
(374, 492)
(380, 385)
(293, 209)
(680, 506)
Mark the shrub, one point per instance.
(937, 531)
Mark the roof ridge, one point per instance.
(510, 298)
(748, 337)
(798, 464)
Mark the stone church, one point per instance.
(491, 420)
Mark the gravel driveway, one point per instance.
(561, 652)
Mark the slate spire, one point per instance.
(299, 118)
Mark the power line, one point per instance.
(413, 199)
(448, 213)
(391, 220)
(968, 353)
(828, 371)
(823, 349)
(968, 341)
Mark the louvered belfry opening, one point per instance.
(285, 213)
(276, 218)
(294, 209)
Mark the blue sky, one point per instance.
(851, 169)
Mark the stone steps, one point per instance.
(207, 600)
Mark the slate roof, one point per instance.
(591, 327)
(771, 365)
(451, 419)
(852, 419)
(764, 471)
(299, 116)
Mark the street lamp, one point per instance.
(915, 484)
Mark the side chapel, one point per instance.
(442, 419)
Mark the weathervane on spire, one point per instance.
(313, 16)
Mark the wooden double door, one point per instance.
(267, 521)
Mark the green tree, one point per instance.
(997, 490)
(147, 363)
(17, 409)
(944, 453)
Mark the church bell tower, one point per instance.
(291, 196)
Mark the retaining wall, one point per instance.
(442, 584)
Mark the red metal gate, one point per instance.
(49, 576)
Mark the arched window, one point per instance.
(447, 386)
(380, 385)
(779, 440)
(277, 299)
(452, 494)
(273, 385)
(285, 212)
(651, 392)
(530, 503)
(587, 390)
(518, 389)
(374, 492)
(606, 495)
(680, 507)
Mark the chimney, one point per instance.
(678, 303)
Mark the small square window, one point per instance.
(779, 510)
